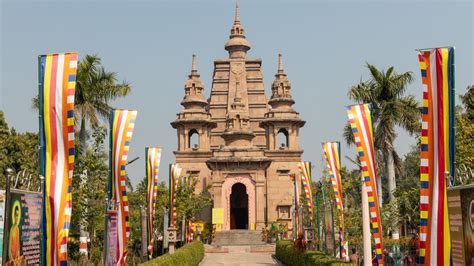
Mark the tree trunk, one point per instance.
(392, 185)
(379, 189)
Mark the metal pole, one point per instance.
(318, 216)
(324, 204)
(144, 217)
(108, 208)
(333, 228)
(6, 225)
(42, 184)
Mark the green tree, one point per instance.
(188, 202)
(464, 137)
(5, 146)
(385, 91)
(137, 200)
(88, 190)
(19, 152)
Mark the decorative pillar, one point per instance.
(171, 239)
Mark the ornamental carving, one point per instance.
(237, 68)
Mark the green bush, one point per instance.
(190, 254)
(289, 256)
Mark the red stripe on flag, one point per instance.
(440, 159)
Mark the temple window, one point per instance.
(193, 141)
(282, 138)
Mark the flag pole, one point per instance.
(366, 227)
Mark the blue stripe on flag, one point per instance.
(424, 184)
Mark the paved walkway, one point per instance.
(235, 259)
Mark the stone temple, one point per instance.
(239, 144)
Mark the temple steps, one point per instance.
(238, 238)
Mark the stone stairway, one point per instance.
(238, 238)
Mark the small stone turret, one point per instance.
(194, 120)
(282, 119)
(194, 90)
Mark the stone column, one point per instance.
(261, 205)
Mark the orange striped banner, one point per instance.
(57, 84)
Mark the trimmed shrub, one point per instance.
(287, 254)
(190, 254)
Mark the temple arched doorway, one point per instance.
(227, 191)
(239, 207)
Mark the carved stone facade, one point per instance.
(234, 136)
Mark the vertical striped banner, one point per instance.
(299, 219)
(57, 84)
(305, 170)
(437, 153)
(190, 232)
(122, 123)
(332, 152)
(152, 165)
(175, 172)
(361, 123)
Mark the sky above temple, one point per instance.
(325, 46)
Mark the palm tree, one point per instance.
(385, 90)
(95, 88)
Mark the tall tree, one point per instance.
(385, 91)
(19, 152)
(464, 137)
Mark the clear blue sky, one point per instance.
(325, 45)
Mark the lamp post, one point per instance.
(144, 217)
(318, 214)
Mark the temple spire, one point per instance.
(280, 64)
(237, 45)
(237, 17)
(194, 72)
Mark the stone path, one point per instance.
(239, 256)
(235, 259)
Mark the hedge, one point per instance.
(286, 254)
(190, 254)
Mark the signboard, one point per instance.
(165, 229)
(24, 227)
(198, 226)
(461, 224)
(329, 226)
(112, 238)
(217, 216)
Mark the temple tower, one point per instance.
(282, 124)
(238, 154)
(193, 125)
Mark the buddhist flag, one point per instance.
(305, 170)
(332, 152)
(437, 153)
(153, 158)
(175, 172)
(361, 123)
(57, 84)
(122, 123)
